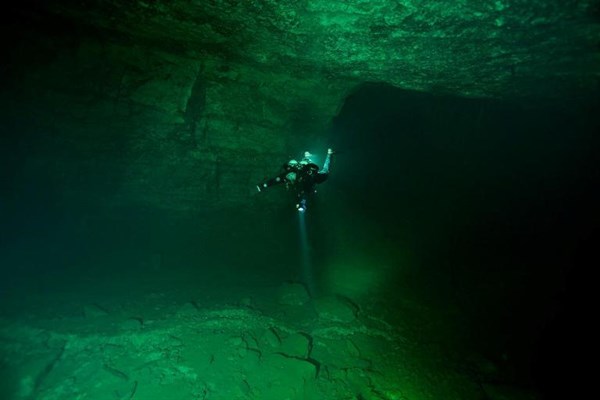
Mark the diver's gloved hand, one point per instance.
(330, 151)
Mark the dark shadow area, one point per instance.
(496, 202)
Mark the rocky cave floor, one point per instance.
(255, 343)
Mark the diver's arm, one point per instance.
(326, 164)
(278, 180)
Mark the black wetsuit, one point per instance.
(302, 177)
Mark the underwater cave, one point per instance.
(165, 236)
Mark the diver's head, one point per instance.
(307, 157)
(306, 160)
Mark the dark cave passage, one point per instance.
(495, 202)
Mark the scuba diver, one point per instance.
(300, 176)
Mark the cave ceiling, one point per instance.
(210, 92)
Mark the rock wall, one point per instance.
(185, 105)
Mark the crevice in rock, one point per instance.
(116, 372)
(48, 369)
(309, 360)
(195, 107)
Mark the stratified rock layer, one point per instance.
(185, 105)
